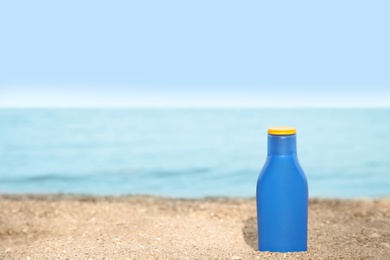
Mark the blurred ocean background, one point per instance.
(189, 152)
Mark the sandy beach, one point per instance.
(80, 227)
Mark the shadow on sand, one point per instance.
(249, 232)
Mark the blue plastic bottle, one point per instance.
(282, 196)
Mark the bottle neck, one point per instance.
(282, 145)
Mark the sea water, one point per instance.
(189, 152)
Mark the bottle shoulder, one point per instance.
(279, 165)
(282, 159)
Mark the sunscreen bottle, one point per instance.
(282, 196)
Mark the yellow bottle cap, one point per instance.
(282, 130)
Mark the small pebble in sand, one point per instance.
(374, 235)
(385, 245)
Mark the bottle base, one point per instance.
(283, 250)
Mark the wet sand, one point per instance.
(138, 227)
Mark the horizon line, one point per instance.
(199, 107)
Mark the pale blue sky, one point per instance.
(194, 53)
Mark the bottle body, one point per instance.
(282, 198)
